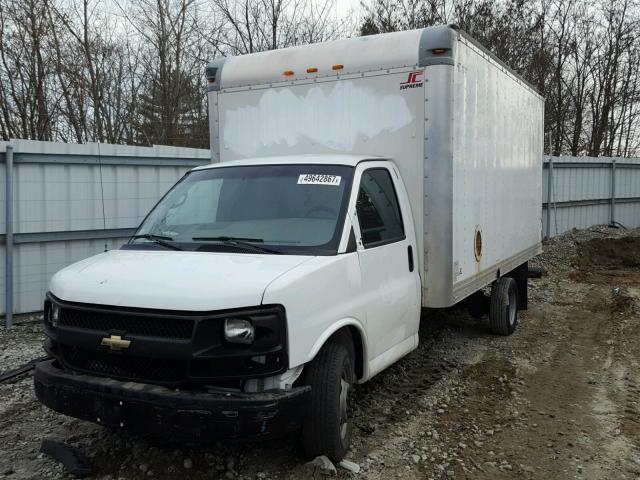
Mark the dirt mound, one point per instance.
(609, 253)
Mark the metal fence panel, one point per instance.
(3, 277)
(35, 264)
(578, 216)
(3, 196)
(59, 197)
(627, 181)
(586, 191)
(69, 201)
(628, 214)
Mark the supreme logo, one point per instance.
(414, 80)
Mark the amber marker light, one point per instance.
(337, 66)
(439, 51)
(312, 70)
(288, 73)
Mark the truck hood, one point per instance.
(193, 281)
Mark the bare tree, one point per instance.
(618, 34)
(258, 25)
(94, 70)
(27, 104)
(171, 107)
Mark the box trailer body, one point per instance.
(465, 132)
(352, 183)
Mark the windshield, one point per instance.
(295, 209)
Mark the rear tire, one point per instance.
(503, 313)
(327, 428)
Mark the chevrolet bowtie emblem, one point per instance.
(115, 342)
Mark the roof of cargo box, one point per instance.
(338, 57)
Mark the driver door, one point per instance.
(386, 247)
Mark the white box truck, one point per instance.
(353, 182)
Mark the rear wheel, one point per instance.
(503, 313)
(327, 429)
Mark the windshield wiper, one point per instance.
(159, 239)
(239, 242)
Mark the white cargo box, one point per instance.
(465, 132)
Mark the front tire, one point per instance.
(503, 312)
(327, 429)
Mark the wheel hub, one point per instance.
(512, 308)
(344, 418)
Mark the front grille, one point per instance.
(159, 370)
(168, 347)
(178, 328)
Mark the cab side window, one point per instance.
(378, 211)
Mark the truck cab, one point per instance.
(241, 275)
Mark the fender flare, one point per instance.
(333, 328)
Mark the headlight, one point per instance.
(237, 330)
(55, 315)
(51, 313)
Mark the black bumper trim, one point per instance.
(160, 412)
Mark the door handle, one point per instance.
(410, 255)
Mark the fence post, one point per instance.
(613, 192)
(549, 184)
(8, 286)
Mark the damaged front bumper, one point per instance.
(161, 412)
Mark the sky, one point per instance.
(343, 7)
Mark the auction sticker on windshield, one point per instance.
(319, 179)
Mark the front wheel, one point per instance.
(503, 312)
(327, 429)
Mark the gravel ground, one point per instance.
(559, 399)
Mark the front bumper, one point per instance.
(164, 413)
